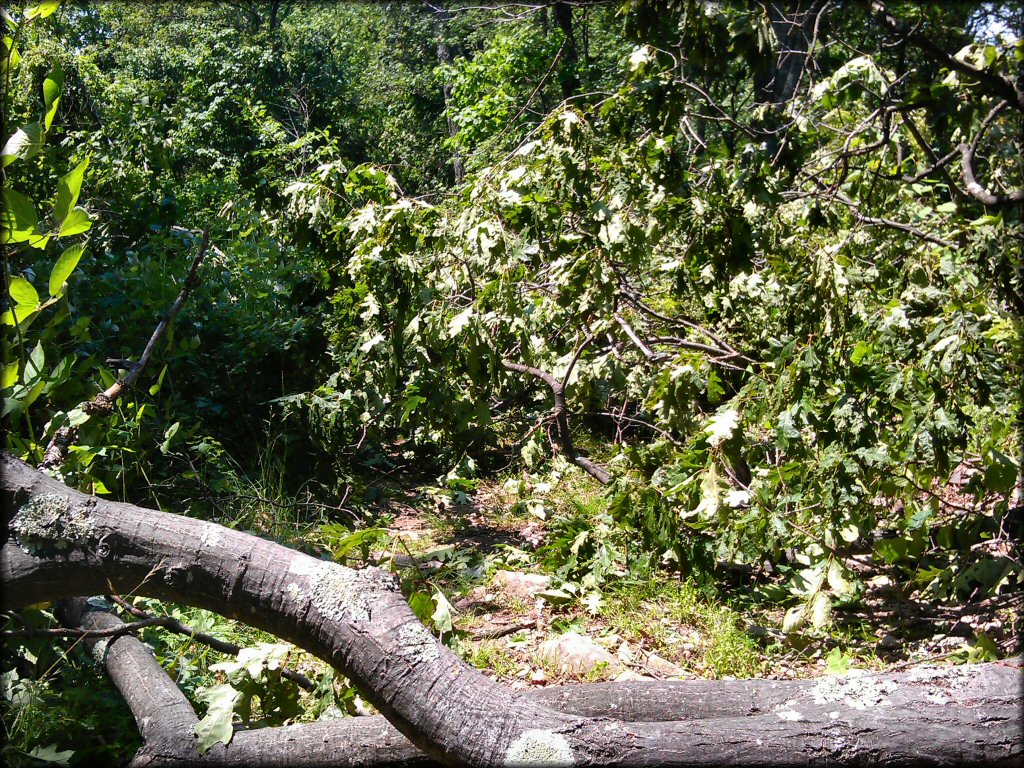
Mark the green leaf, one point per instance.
(9, 56)
(9, 377)
(159, 382)
(442, 615)
(422, 605)
(76, 223)
(77, 417)
(36, 361)
(20, 218)
(821, 611)
(459, 322)
(33, 394)
(65, 265)
(68, 187)
(50, 754)
(721, 426)
(794, 619)
(556, 596)
(23, 292)
(215, 727)
(172, 430)
(409, 406)
(51, 95)
(837, 580)
(25, 143)
(42, 10)
(849, 533)
(837, 662)
(1000, 472)
(52, 85)
(50, 114)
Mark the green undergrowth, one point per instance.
(680, 623)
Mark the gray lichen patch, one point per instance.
(537, 747)
(417, 642)
(340, 593)
(940, 685)
(789, 714)
(51, 522)
(99, 650)
(211, 535)
(855, 691)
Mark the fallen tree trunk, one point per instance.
(66, 544)
(165, 717)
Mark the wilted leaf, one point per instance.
(215, 727)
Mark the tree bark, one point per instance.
(444, 57)
(166, 719)
(569, 79)
(66, 544)
(793, 26)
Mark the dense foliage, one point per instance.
(755, 269)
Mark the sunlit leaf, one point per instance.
(64, 266)
(25, 143)
(77, 222)
(23, 292)
(216, 725)
(68, 188)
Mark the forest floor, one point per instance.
(515, 619)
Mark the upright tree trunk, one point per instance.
(793, 26)
(569, 79)
(444, 57)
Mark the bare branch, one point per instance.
(103, 403)
(997, 84)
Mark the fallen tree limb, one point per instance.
(66, 544)
(166, 719)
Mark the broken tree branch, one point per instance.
(103, 403)
(560, 414)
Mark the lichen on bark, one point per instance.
(418, 643)
(344, 593)
(538, 748)
(51, 522)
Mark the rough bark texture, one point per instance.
(793, 26)
(165, 717)
(66, 544)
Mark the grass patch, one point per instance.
(676, 621)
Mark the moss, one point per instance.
(51, 522)
(539, 748)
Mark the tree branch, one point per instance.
(68, 544)
(560, 413)
(103, 403)
(1004, 87)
